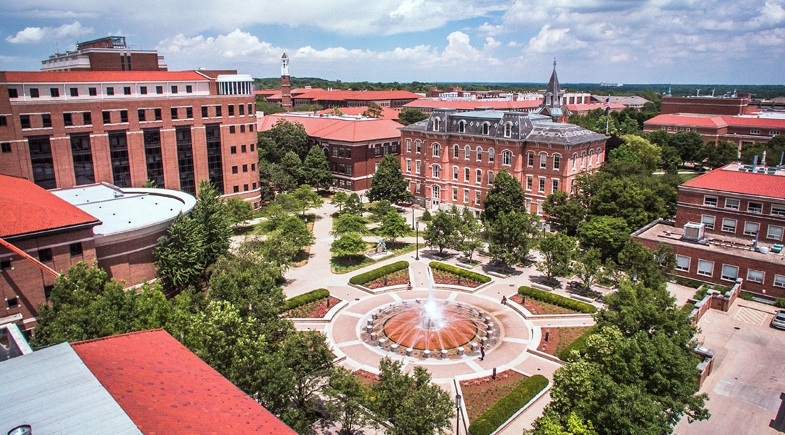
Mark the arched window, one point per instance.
(408, 145)
(455, 173)
(556, 162)
(599, 151)
(490, 177)
(435, 149)
(508, 129)
(530, 160)
(435, 171)
(543, 161)
(479, 154)
(591, 157)
(455, 151)
(478, 174)
(583, 159)
(574, 159)
(506, 158)
(467, 151)
(486, 128)
(461, 126)
(491, 155)
(436, 124)
(417, 145)
(326, 152)
(466, 174)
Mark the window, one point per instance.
(462, 127)
(543, 161)
(435, 147)
(235, 189)
(557, 162)
(778, 210)
(218, 111)
(13, 93)
(5, 264)
(92, 91)
(477, 197)
(529, 182)
(214, 159)
(491, 155)
(755, 276)
(466, 175)
(751, 228)
(467, 151)
(506, 158)
(204, 112)
(83, 159)
(348, 153)
(46, 120)
(3, 121)
(253, 168)
(436, 124)
(455, 173)
(729, 225)
(455, 194)
(417, 167)
(408, 145)
(478, 176)
(12, 302)
(574, 159)
(6, 147)
(530, 159)
(755, 207)
(729, 272)
(87, 118)
(189, 112)
(67, 119)
(252, 147)
(230, 109)
(542, 185)
(591, 156)
(708, 221)
(774, 232)
(54, 92)
(24, 121)
(554, 185)
(127, 90)
(174, 89)
(245, 187)
(508, 129)
(754, 131)
(486, 128)
(141, 114)
(159, 90)
(157, 114)
(118, 153)
(599, 151)
(107, 116)
(705, 268)
(682, 263)
(245, 168)
(75, 249)
(779, 281)
(490, 177)
(173, 112)
(154, 156)
(583, 159)
(189, 89)
(408, 165)
(710, 201)
(435, 171)
(45, 255)
(465, 196)
(732, 204)
(33, 93)
(143, 90)
(250, 109)
(455, 151)
(417, 145)
(417, 188)
(479, 154)
(109, 90)
(123, 116)
(234, 169)
(243, 149)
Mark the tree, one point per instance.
(647, 153)
(285, 136)
(565, 214)
(574, 426)
(380, 210)
(411, 403)
(348, 245)
(209, 212)
(373, 111)
(388, 182)
(606, 233)
(588, 267)
(345, 398)
(558, 251)
(354, 205)
(441, 231)
(469, 229)
(773, 148)
(651, 268)
(267, 108)
(718, 154)
(410, 116)
(393, 226)
(238, 210)
(349, 223)
(307, 198)
(339, 199)
(316, 169)
(689, 145)
(295, 229)
(506, 196)
(180, 254)
(510, 238)
(292, 167)
(275, 215)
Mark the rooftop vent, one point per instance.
(693, 232)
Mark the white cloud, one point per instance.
(514, 44)
(491, 43)
(38, 34)
(232, 45)
(553, 40)
(488, 29)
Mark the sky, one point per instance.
(626, 41)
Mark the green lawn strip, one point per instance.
(341, 265)
(505, 408)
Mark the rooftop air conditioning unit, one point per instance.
(693, 232)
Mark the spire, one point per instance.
(553, 85)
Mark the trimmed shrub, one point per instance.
(747, 296)
(306, 298)
(555, 299)
(578, 344)
(378, 273)
(779, 303)
(701, 293)
(688, 307)
(688, 282)
(460, 272)
(508, 405)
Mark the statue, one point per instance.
(381, 247)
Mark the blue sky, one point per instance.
(628, 41)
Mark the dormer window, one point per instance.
(508, 129)
(462, 127)
(486, 128)
(436, 124)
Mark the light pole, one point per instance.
(417, 240)
(458, 414)
(412, 216)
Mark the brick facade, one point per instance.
(706, 105)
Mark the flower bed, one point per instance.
(559, 338)
(393, 278)
(539, 307)
(507, 406)
(555, 299)
(372, 275)
(366, 378)
(313, 310)
(480, 394)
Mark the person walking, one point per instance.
(482, 352)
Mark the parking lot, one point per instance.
(746, 388)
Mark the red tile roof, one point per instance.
(166, 389)
(387, 113)
(384, 95)
(499, 105)
(27, 208)
(345, 130)
(101, 76)
(593, 106)
(716, 121)
(723, 180)
(755, 122)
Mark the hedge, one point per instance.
(507, 406)
(578, 344)
(688, 282)
(377, 273)
(779, 303)
(306, 298)
(553, 298)
(747, 296)
(460, 272)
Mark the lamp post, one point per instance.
(412, 216)
(417, 241)
(458, 414)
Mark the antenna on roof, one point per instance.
(699, 93)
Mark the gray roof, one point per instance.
(55, 393)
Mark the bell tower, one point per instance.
(552, 100)
(286, 87)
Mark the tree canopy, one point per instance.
(506, 196)
(388, 182)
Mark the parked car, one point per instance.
(779, 320)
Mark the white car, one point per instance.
(779, 320)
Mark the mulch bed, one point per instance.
(394, 278)
(480, 394)
(559, 338)
(538, 307)
(314, 310)
(366, 378)
(444, 277)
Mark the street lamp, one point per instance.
(412, 216)
(458, 414)
(417, 235)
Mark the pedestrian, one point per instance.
(482, 352)
(523, 299)
(504, 300)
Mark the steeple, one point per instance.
(551, 100)
(286, 89)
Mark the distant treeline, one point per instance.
(758, 91)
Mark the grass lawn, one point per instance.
(538, 307)
(687, 177)
(301, 259)
(314, 310)
(559, 338)
(481, 394)
(341, 265)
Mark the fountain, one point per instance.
(430, 328)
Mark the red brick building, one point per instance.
(737, 129)
(354, 146)
(707, 105)
(64, 129)
(729, 224)
(110, 53)
(452, 157)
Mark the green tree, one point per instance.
(647, 153)
(348, 245)
(238, 210)
(180, 254)
(316, 169)
(297, 231)
(773, 148)
(688, 143)
(307, 198)
(651, 268)
(267, 108)
(410, 116)
(307, 108)
(354, 205)
(339, 199)
(285, 136)
(373, 111)
(574, 426)
(441, 231)
(469, 233)
(388, 182)
(558, 251)
(292, 167)
(510, 237)
(393, 226)
(279, 249)
(275, 215)
(565, 214)
(506, 196)
(210, 213)
(718, 154)
(588, 267)
(345, 398)
(410, 402)
(380, 210)
(606, 233)
(349, 223)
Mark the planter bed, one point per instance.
(313, 310)
(444, 277)
(559, 338)
(480, 394)
(539, 307)
(394, 278)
